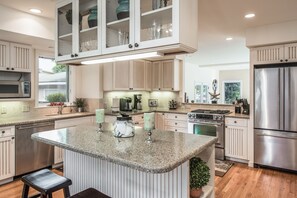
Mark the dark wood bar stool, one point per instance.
(90, 193)
(46, 182)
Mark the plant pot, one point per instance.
(80, 109)
(196, 192)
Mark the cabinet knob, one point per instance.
(130, 46)
(12, 68)
(281, 60)
(7, 68)
(286, 60)
(3, 132)
(72, 55)
(172, 89)
(235, 122)
(159, 88)
(226, 127)
(175, 116)
(175, 123)
(76, 55)
(136, 45)
(12, 138)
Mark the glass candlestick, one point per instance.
(99, 130)
(149, 125)
(149, 139)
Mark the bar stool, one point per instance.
(46, 182)
(90, 193)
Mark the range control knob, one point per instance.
(217, 117)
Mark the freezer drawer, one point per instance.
(276, 149)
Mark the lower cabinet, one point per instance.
(69, 123)
(7, 152)
(138, 120)
(176, 122)
(236, 138)
(159, 121)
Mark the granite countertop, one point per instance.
(179, 111)
(26, 119)
(237, 115)
(168, 151)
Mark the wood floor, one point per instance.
(240, 182)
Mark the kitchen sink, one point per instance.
(64, 114)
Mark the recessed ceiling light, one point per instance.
(35, 10)
(229, 39)
(250, 15)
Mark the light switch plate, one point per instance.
(26, 108)
(3, 110)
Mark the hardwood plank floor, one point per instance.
(240, 181)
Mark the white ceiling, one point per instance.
(218, 19)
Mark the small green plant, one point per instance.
(199, 173)
(56, 97)
(80, 102)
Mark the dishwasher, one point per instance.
(32, 155)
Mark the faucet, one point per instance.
(60, 109)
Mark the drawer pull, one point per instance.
(235, 122)
(3, 132)
(175, 123)
(175, 130)
(175, 116)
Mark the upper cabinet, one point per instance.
(166, 75)
(125, 26)
(15, 57)
(274, 54)
(78, 35)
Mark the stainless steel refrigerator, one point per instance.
(275, 120)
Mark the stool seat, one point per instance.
(90, 193)
(46, 182)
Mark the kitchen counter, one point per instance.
(237, 115)
(130, 167)
(168, 151)
(179, 111)
(40, 118)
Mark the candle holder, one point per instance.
(99, 130)
(149, 138)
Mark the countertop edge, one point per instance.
(164, 169)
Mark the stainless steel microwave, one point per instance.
(15, 89)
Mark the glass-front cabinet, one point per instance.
(78, 34)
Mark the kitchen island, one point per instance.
(130, 167)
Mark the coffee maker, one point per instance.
(137, 101)
(125, 104)
(245, 107)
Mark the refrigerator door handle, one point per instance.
(281, 98)
(287, 94)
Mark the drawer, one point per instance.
(7, 131)
(73, 122)
(176, 116)
(176, 129)
(138, 118)
(174, 123)
(236, 122)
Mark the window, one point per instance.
(201, 93)
(232, 90)
(53, 81)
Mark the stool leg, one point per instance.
(50, 195)
(66, 192)
(25, 191)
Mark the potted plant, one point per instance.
(80, 104)
(199, 176)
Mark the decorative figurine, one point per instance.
(214, 96)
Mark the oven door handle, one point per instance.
(207, 123)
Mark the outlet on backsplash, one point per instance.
(3, 110)
(26, 108)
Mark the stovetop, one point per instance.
(208, 111)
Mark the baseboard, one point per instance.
(237, 160)
(5, 181)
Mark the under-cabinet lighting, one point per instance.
(123, 58)
(250, 15)
(229, 39)
(35, 10)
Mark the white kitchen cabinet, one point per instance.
(76, 36)
(147, 27)
(59, 124)
(7, 153)
(166, 75)
(126, 75)
(176, 122)
(159, 121)
(236, 138)
(15, 57)
(274, 54)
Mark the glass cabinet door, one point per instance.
(64, 31)
(156, 22)
(118, 28)
(88, 32)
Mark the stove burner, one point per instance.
(209, 111)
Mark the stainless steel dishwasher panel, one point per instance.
(32, 155)
(276, 149)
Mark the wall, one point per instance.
(272, 34)
(241, 75)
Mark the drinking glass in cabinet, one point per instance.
(156, 19)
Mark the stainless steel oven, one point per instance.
(15, 89)
(211, 123)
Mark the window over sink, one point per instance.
(52, 81)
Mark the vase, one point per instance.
(92, 19)
(80, 109)
(195, 192)
(123, 10)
